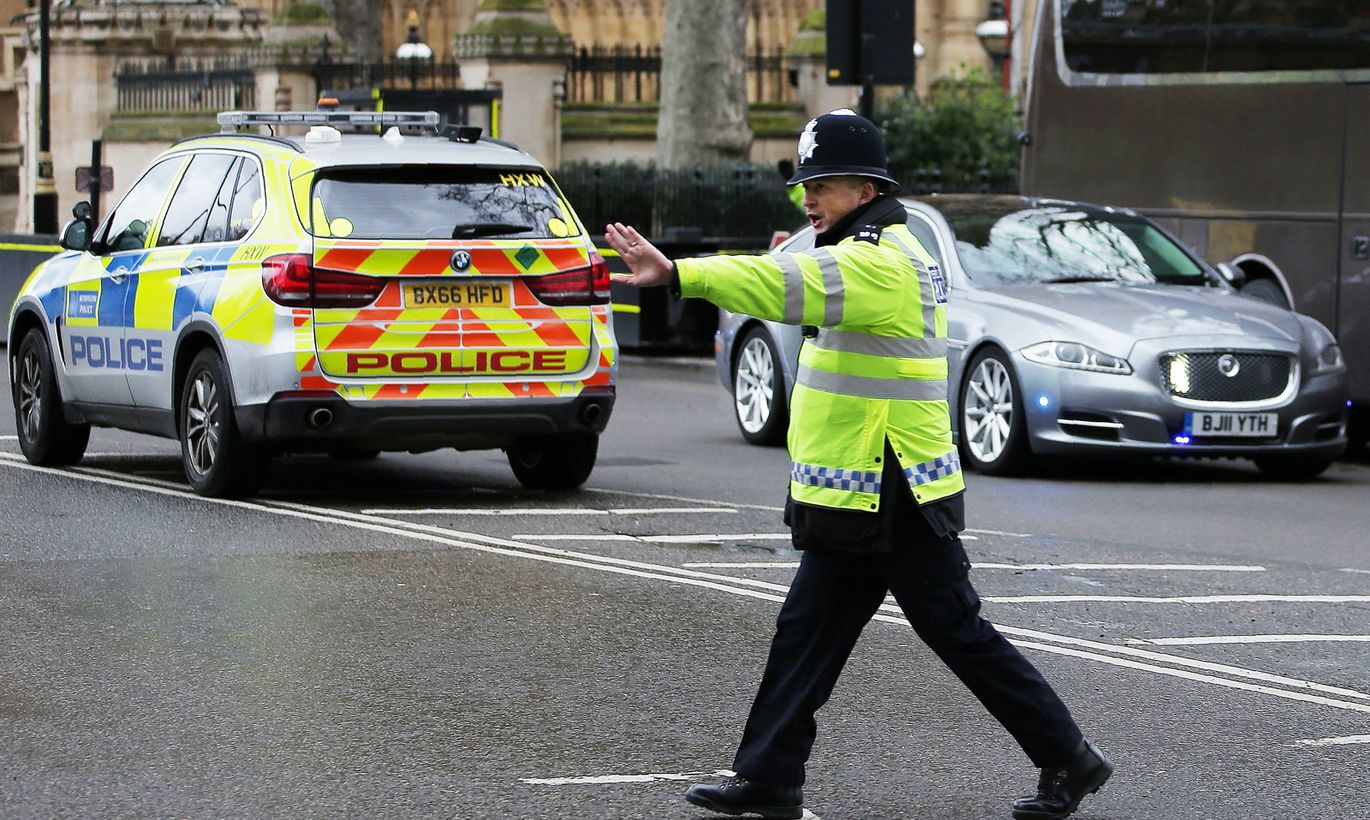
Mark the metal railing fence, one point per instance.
(164, 85)
(616, 74)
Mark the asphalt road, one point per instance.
(417, 636)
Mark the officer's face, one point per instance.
(828, 199)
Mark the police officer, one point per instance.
(876, 489)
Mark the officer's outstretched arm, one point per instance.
(649, 266)
(828, 286)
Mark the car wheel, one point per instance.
(45, 437)
(759, 390)
(1267, 290)
(554, 462)
(993, 430)
(1293, 467)
(217, 462)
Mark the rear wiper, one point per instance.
(1068, 280)
(487, 229)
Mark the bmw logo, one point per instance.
(461, 260)
(1228, 365)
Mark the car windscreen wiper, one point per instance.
(487, 229)
(1069, 280)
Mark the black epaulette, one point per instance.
(869, 233)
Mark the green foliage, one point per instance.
(513, 5)
(816, 20)
(966, 126)
(301, 13)
(515, 27)
(742, 200)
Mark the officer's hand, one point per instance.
(649, 266)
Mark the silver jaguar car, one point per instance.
(1083, 329)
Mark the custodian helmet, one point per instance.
(842, 143)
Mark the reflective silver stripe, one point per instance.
(925, 293)
(794, 288)
(852, 341)
(837, 478)
(930, 471)
(868, 387)
(833, 288)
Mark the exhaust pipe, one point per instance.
(590, 412)
(320, 417)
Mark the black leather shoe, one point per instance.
(738, 795)
(1059, 791)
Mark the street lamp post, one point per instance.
(413, 50)
(44, 189)
(994, 36)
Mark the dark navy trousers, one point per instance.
(833, 596)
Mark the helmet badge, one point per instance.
(808, 141)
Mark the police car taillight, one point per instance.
(291, 279)
(582, 286)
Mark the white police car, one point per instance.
(344, 293)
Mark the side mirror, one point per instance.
(76, 235)
(1235, 276)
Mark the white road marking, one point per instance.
(978, 565)
(1334, 741)
(1143, 567)
(712, 537)
(1176, 660)
(742, 565)
(602, 536)
(594, 780)
(9, 438)
(549, 511)
(1000, 532)
(702, 538)
(734, 586)
(1178, 599)
(662, 497)
(1361, 571)
(1229, 639)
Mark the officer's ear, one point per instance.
(869, 190)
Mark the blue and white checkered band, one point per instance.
(836, 478)
(939, 284)
(930, 471)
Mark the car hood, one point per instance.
(1129, 313)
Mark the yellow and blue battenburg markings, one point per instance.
(114, 294)
(198, 292)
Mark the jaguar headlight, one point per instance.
(1329, 360)
(1076, 357)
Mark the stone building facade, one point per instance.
(93, 41)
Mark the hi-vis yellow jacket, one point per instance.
(876, 370)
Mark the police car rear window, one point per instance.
(436, 202)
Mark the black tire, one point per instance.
(1267, 290)
(45, 437)
(1294, 467)
(759, 402)
(993, 432)
(216, 460)
(554, 462)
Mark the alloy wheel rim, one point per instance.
(30, 395)
(753, 386)
(989, 410)
(202, 423)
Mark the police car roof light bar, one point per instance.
(230, 121)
